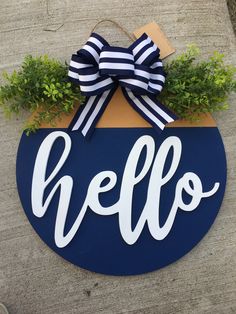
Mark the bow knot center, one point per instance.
(116, 61)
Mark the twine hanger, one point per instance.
(131, 37)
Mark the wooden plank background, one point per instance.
(35, 280)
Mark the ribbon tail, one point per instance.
(88, 115)
(150, 109)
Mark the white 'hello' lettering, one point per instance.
(190, 183)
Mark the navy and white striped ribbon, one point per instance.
(99, 68)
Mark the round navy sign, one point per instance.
(127, 201)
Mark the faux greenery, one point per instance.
(40, 86)
(191, 87)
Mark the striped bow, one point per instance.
(99, 68)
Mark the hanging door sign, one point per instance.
(127, 201)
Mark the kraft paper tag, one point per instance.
(158, 37)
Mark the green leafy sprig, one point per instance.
(39, 86)
(193, 88)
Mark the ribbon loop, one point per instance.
(98, 68)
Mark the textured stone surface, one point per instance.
(35, 280)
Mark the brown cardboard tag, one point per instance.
(158, 37)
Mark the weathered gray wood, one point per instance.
(35, 280)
